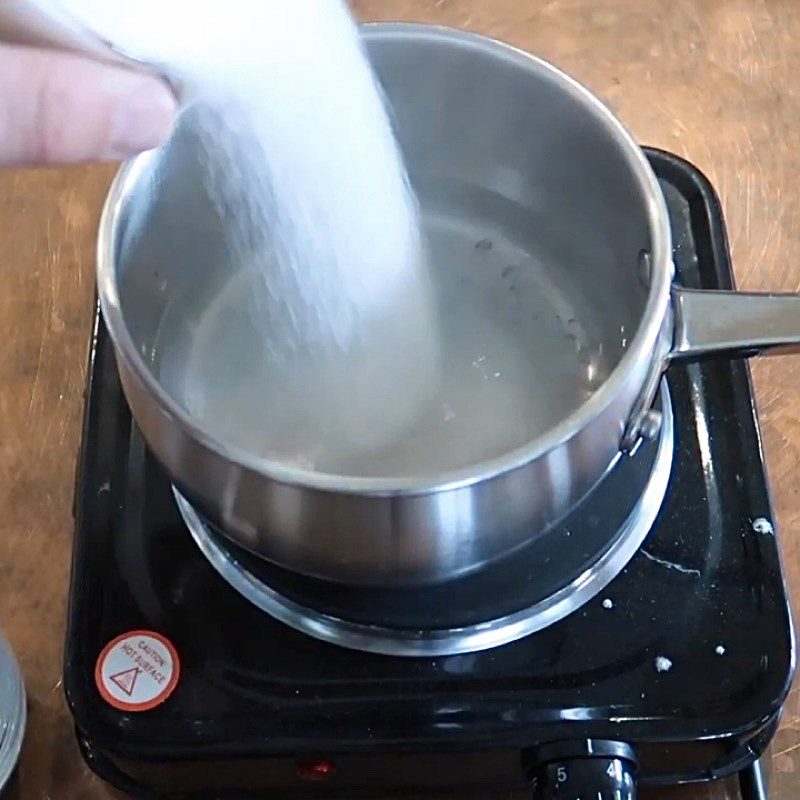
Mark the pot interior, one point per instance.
(535, 222)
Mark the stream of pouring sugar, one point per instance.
(323, 229)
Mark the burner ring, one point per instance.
(448, 639)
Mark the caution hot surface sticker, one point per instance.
(137, 671)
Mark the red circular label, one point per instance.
(137, 671)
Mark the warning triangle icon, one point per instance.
(126, 680)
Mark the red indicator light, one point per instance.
(320, 769)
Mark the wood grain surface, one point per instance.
(713, 80)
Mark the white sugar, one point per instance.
(663, 664)
(302, 162)
(763, 526)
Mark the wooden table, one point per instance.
(713, 80)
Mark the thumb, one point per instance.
(58, 108)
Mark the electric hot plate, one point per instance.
(675, 671)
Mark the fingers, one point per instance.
(60, 108)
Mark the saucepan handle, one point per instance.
(708, 323)
(733, 324)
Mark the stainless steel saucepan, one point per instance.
(516, 166)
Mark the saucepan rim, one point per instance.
(642, 350)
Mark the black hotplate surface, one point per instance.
(705, 593)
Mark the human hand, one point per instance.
(60, 108)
